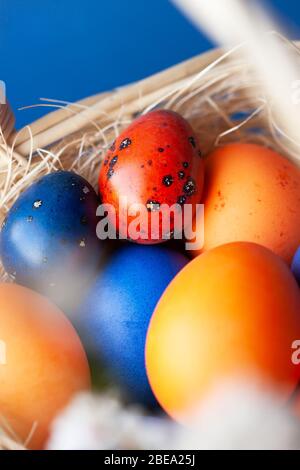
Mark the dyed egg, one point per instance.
(155, 163)
(118, 309)
(252, 194)
(42, 363)
(296, 265)
(233, 311)
(48, 239)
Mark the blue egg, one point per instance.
(296, 265)
(48, 240)
(118, 309)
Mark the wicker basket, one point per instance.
(217, 92)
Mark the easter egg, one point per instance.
(48, 239)
(232, 313)
(118, 309)
(252, 194)
(296, 265)
(42, 363)
(153, 165)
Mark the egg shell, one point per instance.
(48, 239)
(42, 364)
(232, 313)
(252, 194)
(296, 265)
(155, 161)
(118, 308)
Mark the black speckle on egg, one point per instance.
(169, 235)
(181, 200)
(199, 153)
(192, 141)
(160, 150)
(125, 143)
(113, 161)
(181, 174)
(37, 204)
(110, 173)
(152, 206)
(167, 180)
(185, 164)
(149, 162)
(190, 187)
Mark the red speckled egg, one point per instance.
(156, 162)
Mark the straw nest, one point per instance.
(217, 92)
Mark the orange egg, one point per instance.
(42, 362)
(232, 311)
(252, 194)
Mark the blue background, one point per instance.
(70, 49)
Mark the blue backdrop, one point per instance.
(69, 49)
